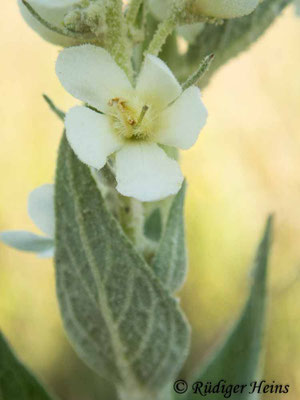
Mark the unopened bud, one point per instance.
(206, 8)
(222, 8)
(64, 22)
(52, 11)
(74, 22)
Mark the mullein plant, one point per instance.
(114, 219)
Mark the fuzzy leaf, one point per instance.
(16, 382)
(170, 262)
(237, 360)
(118, 316)
(233, 36)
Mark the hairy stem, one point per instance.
(166, 27)
(198, 74)
(116, 39)
(131, 217)
(133, 11)
(164, 30)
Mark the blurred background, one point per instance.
(246, 164)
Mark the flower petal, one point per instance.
(156, 83)
(145, 172)
(182, 122)
(90, 74)
(41, 209)
(90, 136)
(27, 241)
(54, 12)
(48, 253)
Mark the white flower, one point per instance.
(133, 120)
(53, 11)
(41, 211)
(209, 8)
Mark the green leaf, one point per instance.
(237, 360)
(118, 316)
(153, 225)
(232, 37)
(16, 382)
(170, 262)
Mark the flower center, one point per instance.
(131, 121)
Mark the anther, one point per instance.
(131, 121)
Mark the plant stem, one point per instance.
(131, 217)
(133, 10)
(61, 115)
(203, 67)
(116, 39)
(165, 29)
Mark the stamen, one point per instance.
(131, 121)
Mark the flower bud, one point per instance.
(207, 8)
(222, 8)
(88, 18)
(57, 12)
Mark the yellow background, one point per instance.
(245, 165)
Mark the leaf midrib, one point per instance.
(117, 348)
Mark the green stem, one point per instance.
(116, 39)
(165, 29)
(131, 218)
(198, 74)
(133, 11)
(137, 58)
(61, 115)
(108, 176)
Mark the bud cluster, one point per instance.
(66, 22)
(86, 17)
